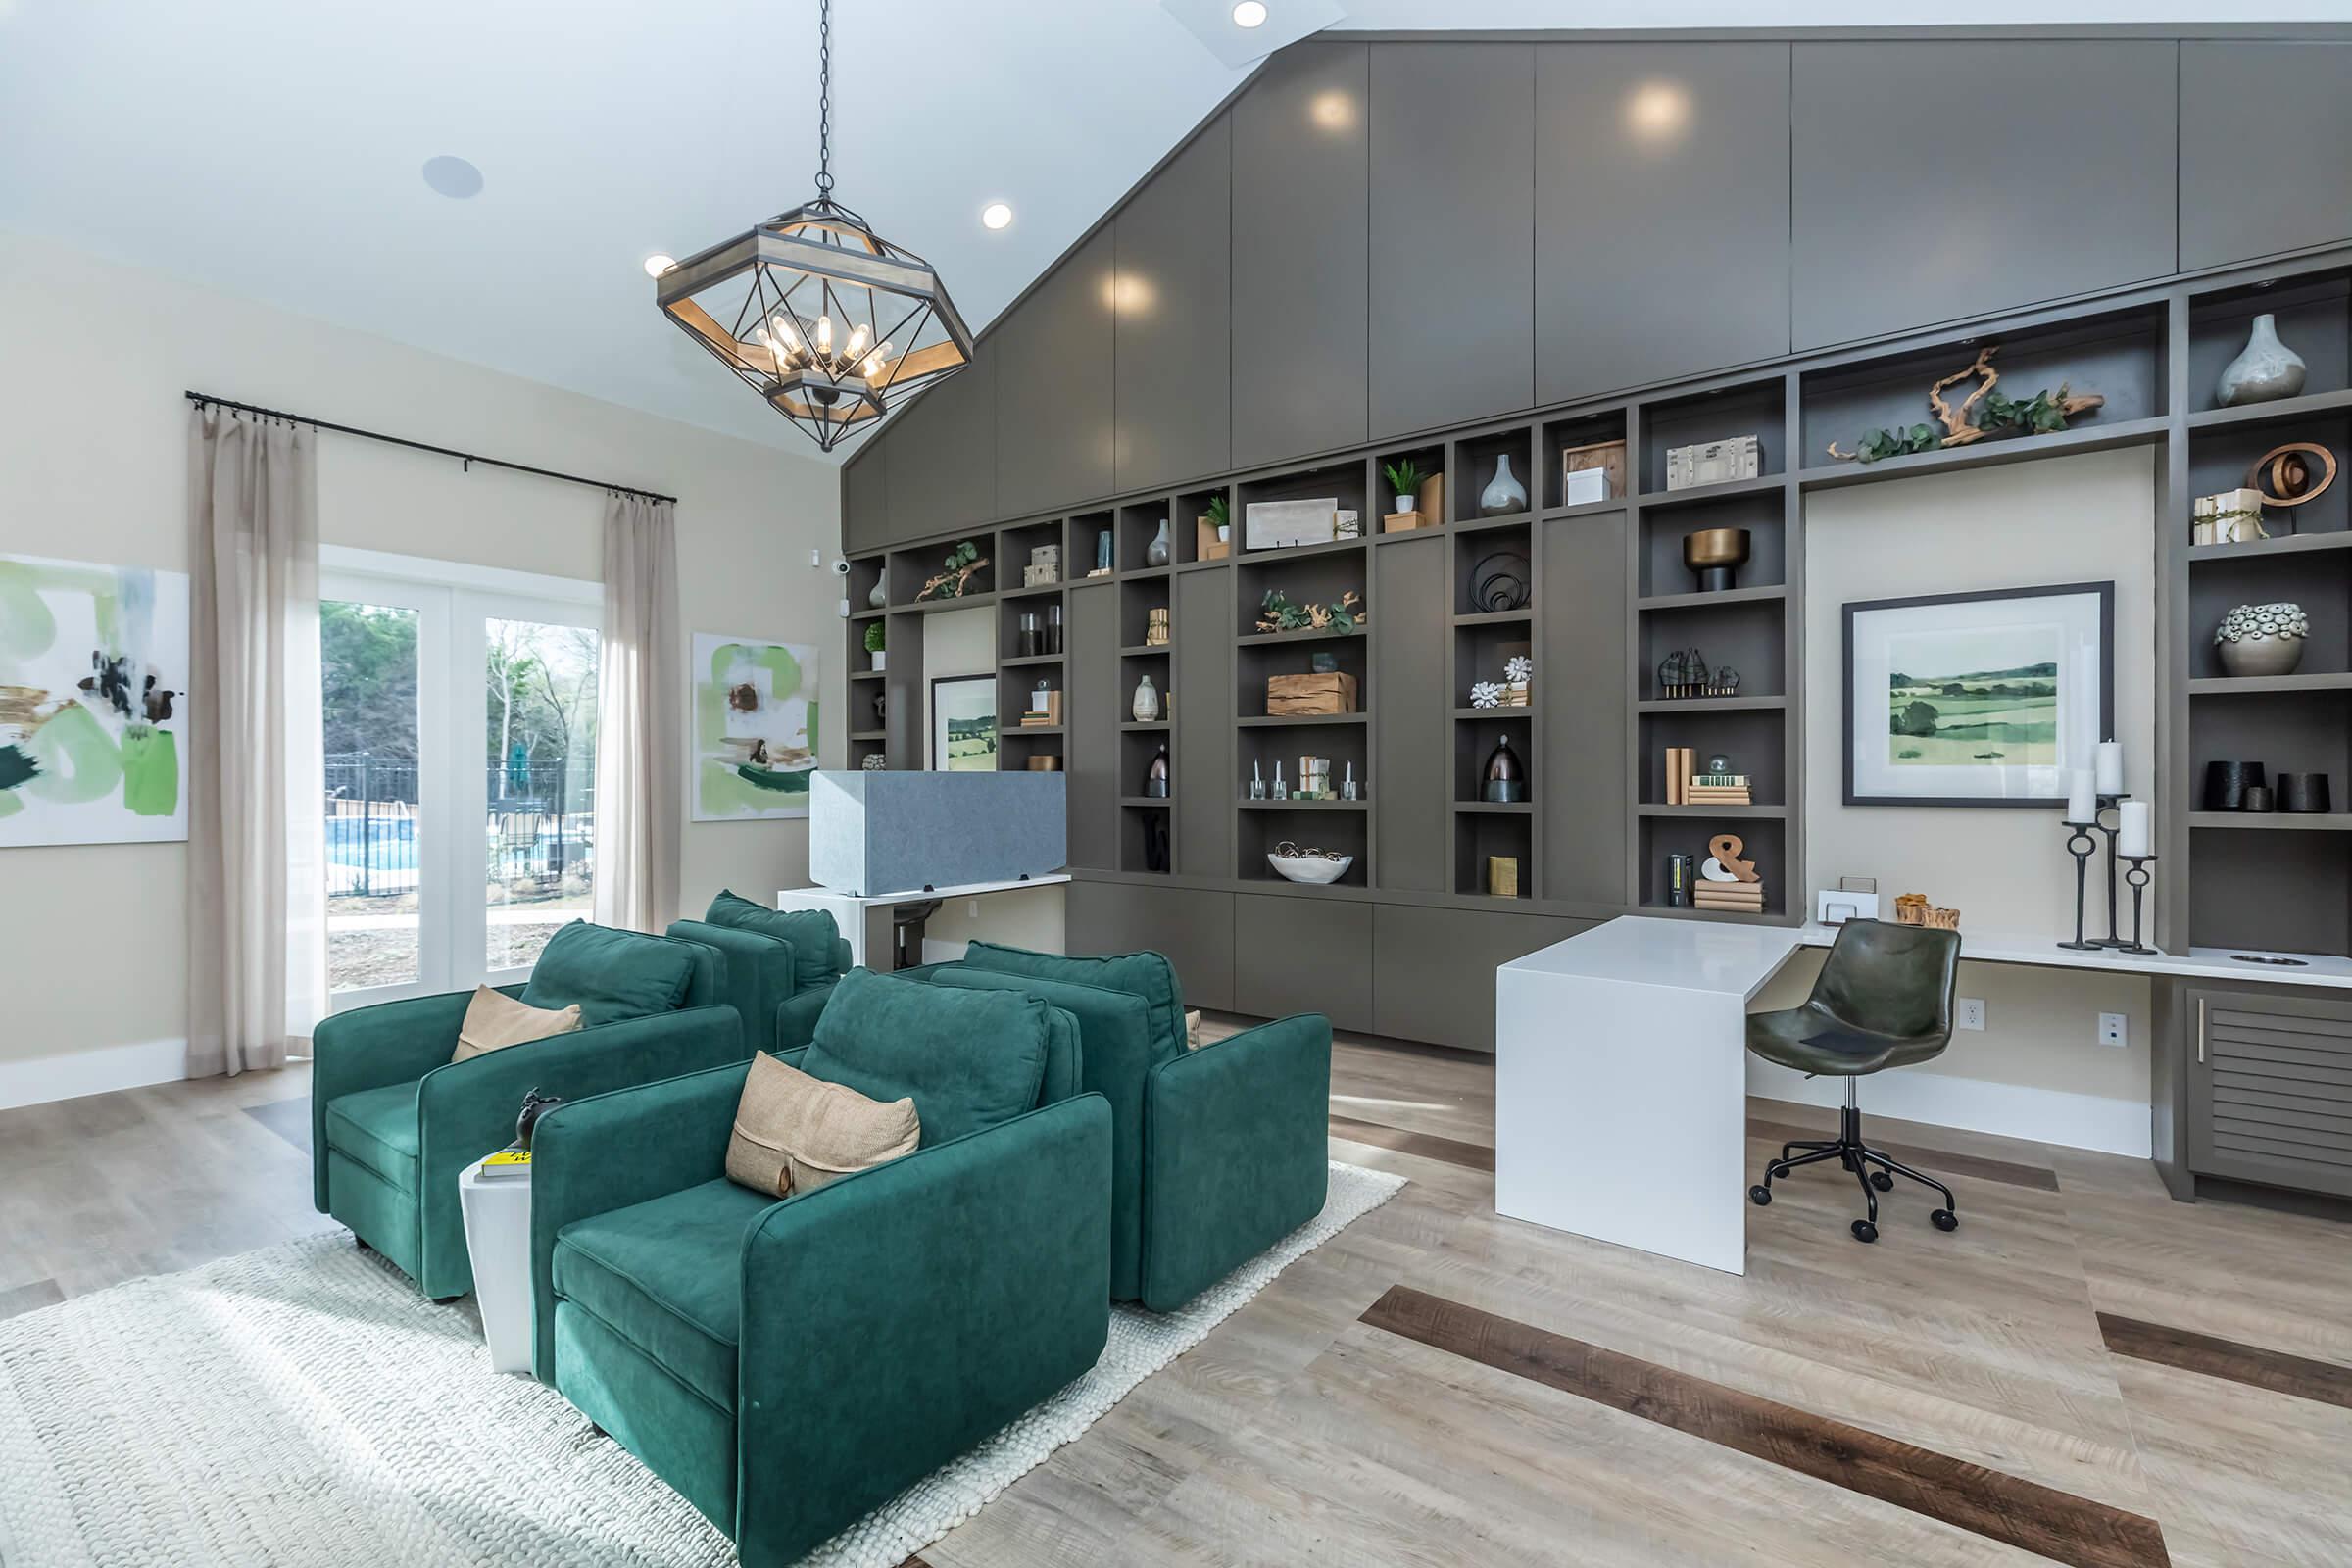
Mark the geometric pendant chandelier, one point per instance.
(829, 323)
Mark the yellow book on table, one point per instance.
(506, 1163)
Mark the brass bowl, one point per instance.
(1716, 555)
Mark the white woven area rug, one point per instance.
(303, 1405)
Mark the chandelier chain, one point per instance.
(824, 100)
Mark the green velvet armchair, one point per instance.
(781, 966)
(1218, 1152)
(394, 1121)
(788, 1366)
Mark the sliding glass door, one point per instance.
(459, 770)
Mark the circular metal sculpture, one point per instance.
(2285, 474)
(1501, 581)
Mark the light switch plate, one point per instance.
(1971, 1012)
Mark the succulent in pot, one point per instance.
(2262, 639)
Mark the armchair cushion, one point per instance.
(969, 1060)
(1148, 975)
(378, 1127)
(495, 1020)
(612, 975)
(794, 1133)
(666, 1275)
(811, 932)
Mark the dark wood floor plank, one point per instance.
(2276, 1370)
(1429, 1145)
(2036, 1518)
(1935, 1162)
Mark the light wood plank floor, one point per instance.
(1928, 1399)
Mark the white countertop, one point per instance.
(2200, 964)
(917, 895)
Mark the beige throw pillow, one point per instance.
(495, 1020)
(794, 1133)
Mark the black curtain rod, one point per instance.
(204, 400)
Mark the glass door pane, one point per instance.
(540, 784)
(369, 663)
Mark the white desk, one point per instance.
(1621, 1072)
(865, 918)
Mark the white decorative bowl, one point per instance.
(1314, 869)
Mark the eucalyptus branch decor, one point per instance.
(2043, 414)
(1278, 612)
(954, 582)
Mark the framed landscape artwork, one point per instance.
(754, 727)
(963, 723)
(93, 703)
(1980, 699)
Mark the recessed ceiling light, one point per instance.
(996, 215)
(1249, 13)
(452, 177)
(658, 263)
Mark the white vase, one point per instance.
(1404, 506)
(2264, 370)
(877, 596)
(1155, 554)
(1503, 494)
(880, 659)
(1146, 702)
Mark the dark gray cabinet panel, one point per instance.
(1413, 744)
(2270, 1089)
(943, 456)
(1172, 366)
(1192, 926)
(1661, 212)
(1301, 233)
(866, 501)
(1581, 594)
(2262, 128)
(1205, 784)
(1944, 179)
(1303, 955)
(1054, 387)
(1092, 714)
(1453, 256)
(1432, 970)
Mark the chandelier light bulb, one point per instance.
(856, 344)
(781, 334)
(872, 368)
(825, 336)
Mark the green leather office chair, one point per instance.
(1882, 999)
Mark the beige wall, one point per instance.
(93, 446)
(2037, 1068)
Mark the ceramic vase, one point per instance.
(1503, 493)
(1146, 701)
(2265, 653)
(1155, 554)
(1505, 775)
(2264, 370)
(877, 596)
(881, 659)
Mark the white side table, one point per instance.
(497, 1237)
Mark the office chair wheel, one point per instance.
(1865, 1231)
(1946, 1221)
(1760, 1195)
(1882, 1180)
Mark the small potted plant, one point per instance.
(1220, 517)
(1405, 478)
(876, 637)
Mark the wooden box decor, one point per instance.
(1289, 696)
(1428, 501)
(1502, 875)
(1036, 577)
(1156, 629)
(1604, 458)
(1206, 546)
(1278, 524)
(1713, 463)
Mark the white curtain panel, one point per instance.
(640, 790)
(257, 885)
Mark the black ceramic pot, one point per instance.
(2304, 792)
(2226, 783)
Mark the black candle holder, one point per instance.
(2139, 877)
(2081, 844)
(2110, 803)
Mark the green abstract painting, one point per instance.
(754, 727)
(93, 703)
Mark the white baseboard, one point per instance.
(69, 1075)
(2010, 1110)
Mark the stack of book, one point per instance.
(1050, 713)
(1733, 897)
(1686, 786)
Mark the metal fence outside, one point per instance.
(539, 826)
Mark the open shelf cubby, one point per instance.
(1192, 511)
(1477, 463)
(1474, 741)
(2313, 316)
(1493, 570)
(1014, 547)
(1139, 525)
(1763, 514)
(1263, 746)
(1581, 433)
(1137, 602)
(1745, 634)
(1337, 832)
(1345, 485)
(1427, 460)
(1254, 662)
(1755, 741)
(1310, 575)
(1763, 841)
(2320, 581)
(1480, 653)
(1146, 846)
(1083, 551)
(1016, 685)
(1478, 836)
(2223, 457)
(1719, 413)
(2274, 892)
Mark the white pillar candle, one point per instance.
(2133, 829)
(2081, 802)
(2111, 767)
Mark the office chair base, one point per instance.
(1873, 1170)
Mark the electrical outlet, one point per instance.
(1971, 1012)
(2114, 1029)
(971, 909)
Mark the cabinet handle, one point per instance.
(2200, 1030)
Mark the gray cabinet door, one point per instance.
(1661, 212)
(943, 456)
(1300, 953)
(1581, 594)
(1413, 745)
(2263, 130)
(1206, 782)
(1192, 927)
(865, 500)
(1302, 237)
(1944, 179)
(1454, 252)
(1432, 970)
(1172, 367)
(1053, 388)
(2270, 1090)
(1092, 714)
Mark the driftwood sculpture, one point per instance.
(963, 561)
(2040, 415)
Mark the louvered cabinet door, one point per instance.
(2270, 1090)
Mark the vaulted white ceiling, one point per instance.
(272, 148)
